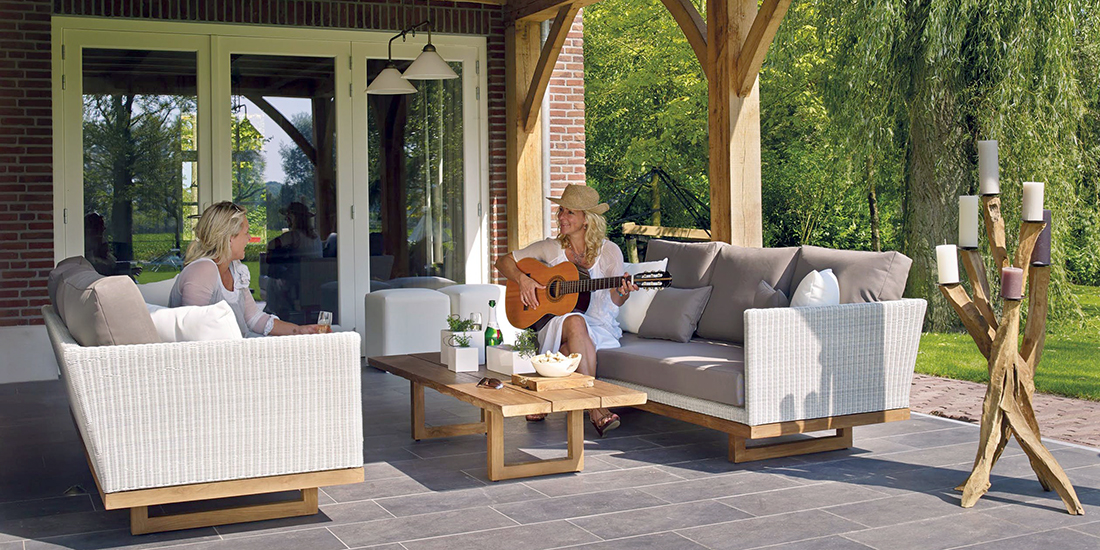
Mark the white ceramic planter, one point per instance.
(503, 360)
(477, 341)
(463, 359)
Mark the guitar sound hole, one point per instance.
(552, 289)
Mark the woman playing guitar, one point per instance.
(581, 240)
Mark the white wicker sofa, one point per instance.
(174, 422)
(764, 373)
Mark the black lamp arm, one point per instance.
(411, 30)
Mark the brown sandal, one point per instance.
(605, 424)
(536, 417)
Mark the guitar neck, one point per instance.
(591, 285)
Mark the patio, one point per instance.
(654, 483)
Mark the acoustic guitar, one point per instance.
(567, 289)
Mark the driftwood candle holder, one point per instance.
(1007, 410)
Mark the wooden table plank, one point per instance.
(615, 396)
(563, 400)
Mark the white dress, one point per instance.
(601, 316)
(200, 284)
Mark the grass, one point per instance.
(148, 276)
(1068, 367)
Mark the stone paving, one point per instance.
(654, 483)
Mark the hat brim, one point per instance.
(598, 209)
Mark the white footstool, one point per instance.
(404, 320)
(466, 299)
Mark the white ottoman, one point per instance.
(466, 299)
(404, 320)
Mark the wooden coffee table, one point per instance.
(425, 370)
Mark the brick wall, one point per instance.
(26, 173)
(26, 182)
(567, 113)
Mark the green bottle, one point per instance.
(493, 336)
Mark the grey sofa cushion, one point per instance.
(737, 272)
(863, 276)
(690, 264)
(64, 266)
(102, 311)
(768, 297)
(674, 313)
(714, 371)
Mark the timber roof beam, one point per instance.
(694, 28)
(536, 11)
(757, 43)
(547, 59)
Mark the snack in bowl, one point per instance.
(555, 364)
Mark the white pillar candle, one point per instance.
(968, 221)
(947, 260)
(1033, 201)
(989, 174)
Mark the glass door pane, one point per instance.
(415, 145)
(140, 161)
(284, 172)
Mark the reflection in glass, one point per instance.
(415, 145)
(284, 173)
(140, 161)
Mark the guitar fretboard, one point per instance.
(589, 285)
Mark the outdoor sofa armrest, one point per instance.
(157, 415)
(816, 362)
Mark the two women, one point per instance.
(581, 240)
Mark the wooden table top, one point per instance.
(511, 400)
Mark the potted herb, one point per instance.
(514, 359)
(457, 326)
(463, 357)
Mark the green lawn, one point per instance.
(148, 276)
(1069, 366)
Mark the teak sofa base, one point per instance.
(741, 434)
(307, 483)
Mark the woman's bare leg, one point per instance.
(575, 339)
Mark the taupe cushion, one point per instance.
(103, 311)
(674, 313)
(64, 266)
(863, 276)
(706, 370)
(690, 264)
(768, 297)
(737, 272)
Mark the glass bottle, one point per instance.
(493, 336)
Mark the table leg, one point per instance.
(498, 470)
(421, 431)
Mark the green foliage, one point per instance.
(456, 323)
(527, 343)
(462, 341)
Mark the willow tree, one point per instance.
(931, 77)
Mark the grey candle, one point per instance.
(1012, 283)
(1041, 254)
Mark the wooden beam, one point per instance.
(734, 126)
(631, 228)
(286, 126)
(523, 148)
(757, 43)
(694, 27)
(545, 67)
(537, 11)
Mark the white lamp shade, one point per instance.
(429, 66)
(389, 82)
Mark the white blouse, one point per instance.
(200, 284)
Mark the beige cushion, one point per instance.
(674, 313)
(102, 311)
(705, 370)
(690, 264)
(737, 272)
(863, 276)
(64, 266)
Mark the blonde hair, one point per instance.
(594, 235)
(218, 224)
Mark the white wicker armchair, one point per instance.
(176, 422)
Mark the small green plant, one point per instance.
(462, 341)
(458, 324)
(527, 344)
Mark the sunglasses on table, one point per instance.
(490, 383)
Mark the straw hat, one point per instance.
(580, 197)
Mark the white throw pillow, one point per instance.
(195, 323)
(632, 312)
(818, 288)
(157, 293)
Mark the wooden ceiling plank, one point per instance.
(536, 11)
(757, 43)
(545, 67)
(286, 126)
(693, 26)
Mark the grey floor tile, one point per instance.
(938, 534)
(401, 529)
(1062, 539)
(572, 484)
(905, 508)
(313, 539)
(122, 539)
(1050, 515)
(939, 438)
(794, 499)
(667, 455)
(45, 507)
(575, 506)
(1089, 529)
(754, 532)
(330, 514)
(65, 524)
(659, 541)
(379, 488)
(440, 501)
(914, 425)
(718, 487)
(528, 537)
(15, 545)
(834, 542)
(657, 519)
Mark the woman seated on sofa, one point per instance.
(213, 272)
(581, 240)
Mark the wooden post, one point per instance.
(524, 142)
(734, 123)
